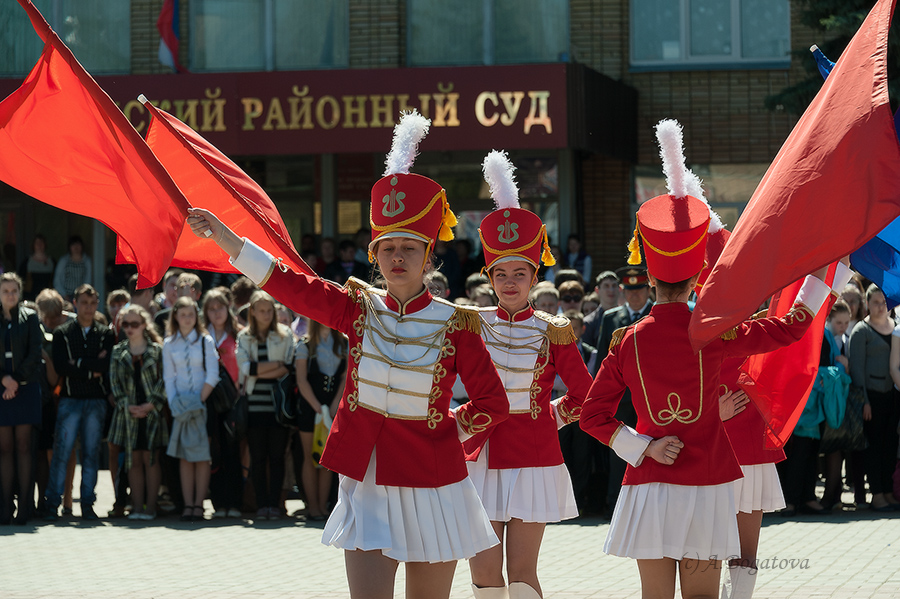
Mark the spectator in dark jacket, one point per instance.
(81, 354)
(20, 408)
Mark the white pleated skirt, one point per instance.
(657, 520)
(409, 524)
(760, 489)
(531, 494)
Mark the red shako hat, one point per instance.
(406, 204)
(673, 228)
(510, 232)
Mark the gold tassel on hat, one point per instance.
(446, 232)
(635, 248)
(547, 256)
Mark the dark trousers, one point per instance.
(585, 458)
(798, 471)
(268, 444)
(226, 485)
(881, 432)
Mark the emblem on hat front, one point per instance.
(393, 202)
(508, 231)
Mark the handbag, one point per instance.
(225, 393)
(284, 399)
(849, 436)
(235, 420)
(320, 434)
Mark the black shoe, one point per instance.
(808, 509)
(52, 515)
(67, 511)
(88, 513)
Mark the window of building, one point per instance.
(485, 32)
(709, 34)
(97, 31)
(267, 35)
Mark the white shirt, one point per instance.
(184, 372)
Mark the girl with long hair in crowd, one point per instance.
(138, 427)
(20, 406)
(404, 494)
(321, 364)
(517, 467)
(264, 351)
(676, 511)
(191, 372)
(870, 354)
(226, 480)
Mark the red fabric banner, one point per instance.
(64, 142)
(779, 382)
(832, 187)
(215, 183)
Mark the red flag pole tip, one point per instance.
(142, 99)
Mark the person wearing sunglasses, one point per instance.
(570, 295)
(136, 378)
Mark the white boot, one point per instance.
(522, 590)
(743, 580)
(490, 592)
(728, 581)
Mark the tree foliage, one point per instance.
(838, 21)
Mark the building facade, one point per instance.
(303, 94)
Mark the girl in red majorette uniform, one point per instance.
(677, 509)
(404, 493)
(517, 466)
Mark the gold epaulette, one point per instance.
(467, 319)
(730, 335)
(617, 337)
(559, 329)
(760, 314)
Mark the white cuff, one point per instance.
(554, 407)
(463, 435)
(813, 293)
(254, 262)
(842, 276)
(629, 445)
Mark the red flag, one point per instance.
(779, 382)
(214, 182)
(832, 187)
(64, 142)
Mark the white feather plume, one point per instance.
(680, 180)
(498, 172)
(412, 128)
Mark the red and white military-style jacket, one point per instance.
(529, 348)
(747, 430)
(402, 364)
(676, 392)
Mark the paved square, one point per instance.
(841, 556)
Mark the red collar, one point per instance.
(412, 305)
(519, 316)
(670, 308)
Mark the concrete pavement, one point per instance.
(841, 556)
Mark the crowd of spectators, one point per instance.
(123, 386)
